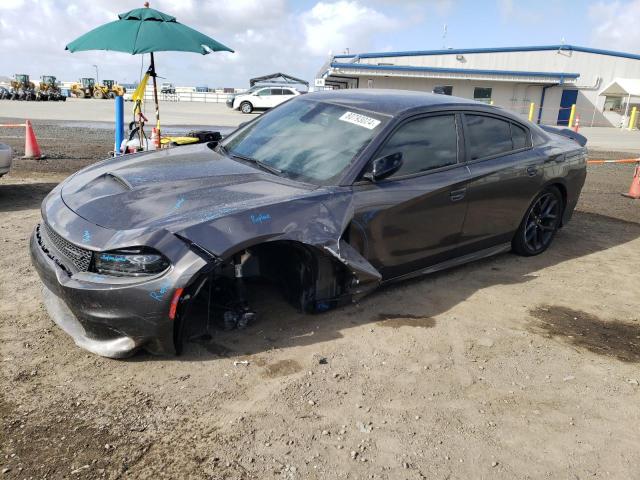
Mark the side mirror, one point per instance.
(384, 167)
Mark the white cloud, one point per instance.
(521, 13)
(11, 4)
(343, 24)
(615, 25)
(267, 36)
(440, 7)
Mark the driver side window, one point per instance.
(425, 143)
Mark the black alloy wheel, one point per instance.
(540, 224)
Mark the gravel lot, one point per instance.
(506, 368)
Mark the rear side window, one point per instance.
(425, 144)
(519, 136)
(487, 136)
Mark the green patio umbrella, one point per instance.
(145, 30)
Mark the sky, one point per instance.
(297, 37)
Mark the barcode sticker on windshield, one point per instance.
(361, 120)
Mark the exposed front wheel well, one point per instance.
(309, 279)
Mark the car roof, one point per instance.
(275, 85)
(387, 101)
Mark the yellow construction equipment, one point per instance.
(22, 88)
(115, 90)
(108, 89)
(49, 89)
(84, 88)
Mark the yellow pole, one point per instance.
(532, 107)
(572, 115)
(632, 120)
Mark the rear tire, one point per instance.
(540, 223)
(246, 107)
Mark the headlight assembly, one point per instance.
(130, 261)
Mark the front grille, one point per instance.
(70, 254)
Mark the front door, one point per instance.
(263, 98)
(569, 97)
(414, 218)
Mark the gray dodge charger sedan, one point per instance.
(327, 196)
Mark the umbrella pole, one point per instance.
(155, 93)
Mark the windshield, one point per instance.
(306, 140)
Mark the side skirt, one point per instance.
(454, 262)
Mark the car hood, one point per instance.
(171, 189)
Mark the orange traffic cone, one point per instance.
(576, 126)
(31, 147)
(634, 189)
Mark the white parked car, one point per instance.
(261, 98)
(6, 155)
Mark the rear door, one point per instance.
(506, 173)
(287, 94)
(276, 97)
(414, 218)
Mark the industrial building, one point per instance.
(604, 85)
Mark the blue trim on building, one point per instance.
(463, 51)
(405, 68)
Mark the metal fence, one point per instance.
(204, 97)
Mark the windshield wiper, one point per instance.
(255, 161)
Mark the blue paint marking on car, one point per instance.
(86, 236)
(179, 203)
(160, 294)
(113, 258)
(260, 218)
(217, 214)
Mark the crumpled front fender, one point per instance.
(317, 221)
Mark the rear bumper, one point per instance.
(109, 317)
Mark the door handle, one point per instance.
(532, 170)
(456, 195)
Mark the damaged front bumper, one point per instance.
(113, 316)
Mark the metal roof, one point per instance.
(549, 76)
(492, 50)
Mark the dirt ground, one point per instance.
(505, 368)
